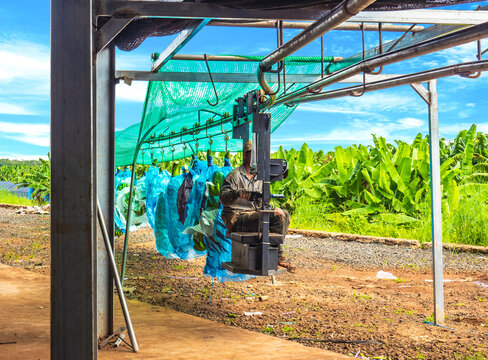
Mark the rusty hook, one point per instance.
(213, 84)
(380, 39)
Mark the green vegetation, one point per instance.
(384, 189)
(359, 296)
(35, 174)
(18, 162)
(6, 197)
(39, 178)
(268, 329)
(380, 190)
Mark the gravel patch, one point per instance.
(304, 249)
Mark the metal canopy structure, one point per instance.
(83, 120)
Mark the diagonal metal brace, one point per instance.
(178, 43)
(422, 91)
(110, 30)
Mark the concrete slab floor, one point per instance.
(161, 333)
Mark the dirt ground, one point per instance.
(333, 305)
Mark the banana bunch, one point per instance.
(198, 240)
(214, 187)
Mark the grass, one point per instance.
(466, 225)
(6, 197)
(359, 296)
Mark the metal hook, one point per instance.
(213, 84)
(380, 38)
(284, 65)
(322, 56)
(361, 93)
(226, 139)
(210, 141)
(478, 56)
(281, 64)
(314, 91)
(355, 93)
(225, 132)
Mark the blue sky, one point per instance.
(394, 113)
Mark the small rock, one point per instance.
(385, 275)
(30, 210)
(41, 307)
(252, 313)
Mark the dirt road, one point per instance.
(332, 301)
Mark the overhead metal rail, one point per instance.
(268, 24)
(336, 16)
(232, 58)
(464, 69)
(245, 78)
(429, 16)
(389, 81)
(460, 37)
(189, 10)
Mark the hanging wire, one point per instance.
(284, 65)
(354, 93)
(288, 104)
(322, 56)
(213, 84)
(401, 37)
(281, 64)
(380, 39)
(226, 139)
(478, 56)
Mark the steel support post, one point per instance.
(435, 190)
(430, 97)
(104, 135)
(73, 205)
(262, 129)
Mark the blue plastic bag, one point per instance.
(156, 182)
(219, 250)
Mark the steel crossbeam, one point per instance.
(190, 10)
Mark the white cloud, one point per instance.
(451, 130)
(369, 104)
(24, 69)
(128, 61)
(36, 134)
(329, 109)
(410, 123)
(133, 93)
(12, 109)
(359, 131)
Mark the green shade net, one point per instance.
(172, 106)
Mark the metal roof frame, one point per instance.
(83, 78)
